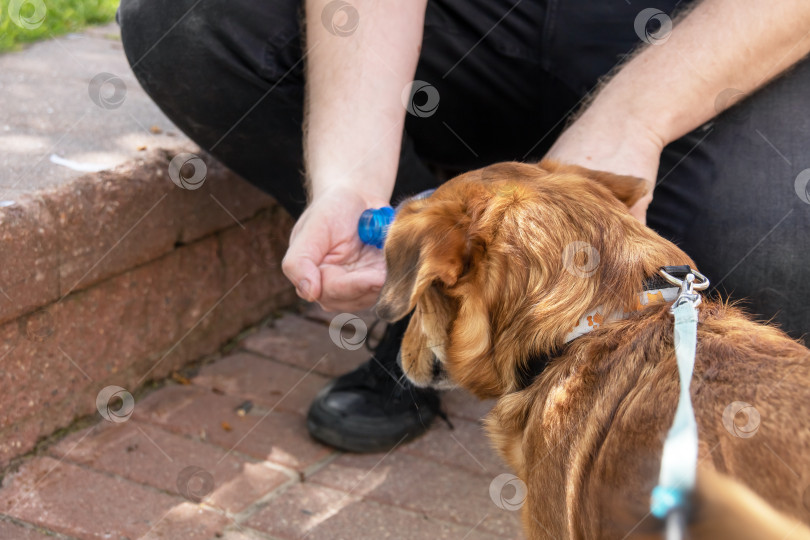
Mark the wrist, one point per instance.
(336, 191)
(628, 120)
(374, 185)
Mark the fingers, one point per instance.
(350, 291)
(300, 268)
(334, 286)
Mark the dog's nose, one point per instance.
(438, 370)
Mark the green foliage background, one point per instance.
(61, 17)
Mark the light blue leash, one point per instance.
(679, 460)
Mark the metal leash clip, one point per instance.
(688, 287)
(669, 499)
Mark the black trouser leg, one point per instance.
(728, 194)
(230, 75)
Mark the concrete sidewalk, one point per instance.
(75, 98)
(225, 454)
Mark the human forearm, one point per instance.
(671, 88)
(667, 90)
(355, 115)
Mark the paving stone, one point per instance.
(421, 486)
(252, 257)
(266, 382)
(106, 226)
(280, 437)
(314, 311)
(187, 521)
(29, 261)
(66, 498)
(462, 404)
(240, 532)
(192, 469)
(114, 220)
(93, 334)
(12, 531)
(259, 243)
(304, 343)
(466, 446)
(299, 510)
(225, 200)
(323, 513)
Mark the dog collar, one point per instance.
(597, 316)
(656, 290)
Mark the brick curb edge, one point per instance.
(119, 278)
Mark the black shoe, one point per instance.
(373, 408)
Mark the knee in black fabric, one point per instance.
(257, 41)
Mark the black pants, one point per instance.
(230, 75)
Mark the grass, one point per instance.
(23, 21)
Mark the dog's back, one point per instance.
(595, 422)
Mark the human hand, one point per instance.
(326, 261)
(596, 142)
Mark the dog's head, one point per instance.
(499, 263)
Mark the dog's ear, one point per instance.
(426, 246)
(628, 189)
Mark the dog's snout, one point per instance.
(440, 379)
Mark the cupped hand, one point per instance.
(326, 261)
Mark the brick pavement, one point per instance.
(225, 454)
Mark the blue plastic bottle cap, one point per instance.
(373, 225)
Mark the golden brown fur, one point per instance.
(481, 265)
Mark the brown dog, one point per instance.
(500, 264)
